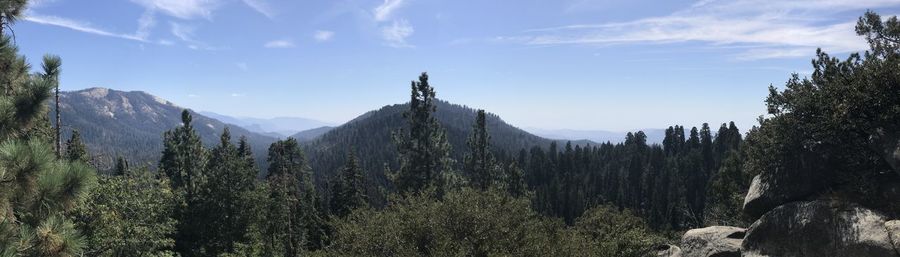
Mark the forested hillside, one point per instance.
(370, 135)
(115, 123)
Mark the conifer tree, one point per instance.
(183, 162)
(75, 149)
(10, 12)
(121, 168)
(184, 158)
(515, 180)
(480, 165)
(424, 150)
(223, 200)
(37, 189)
(348, 189)
(295, 221)
(51, 73)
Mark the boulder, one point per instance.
(893, 229)
(822, 228)
(668, 250)
(715, 241)
(777, 187)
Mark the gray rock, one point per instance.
(715, 241)
(777, 187)
(823, 228)
(668, 250)
(893, 229)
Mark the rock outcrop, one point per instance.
(716, 241)
(801, 179)
(668, 250)
(818, 228)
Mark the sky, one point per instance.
(576, 64)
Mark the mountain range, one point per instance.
(131, 124)
(653, 135)
(280, 127)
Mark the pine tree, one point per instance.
(424, 150)
(183, 162)
(184, 158)
(121, 168)
(10, 12)
(348, 189)
(479, 162)
(37, 189)
(295, 223)
(515, 180)
(223, 200)
(75, 149)
(51, 73)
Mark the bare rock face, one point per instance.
(821, 228)
(668, 251)
(893, 228)
(772, 189)
(715, 241)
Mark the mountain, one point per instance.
(278, 126)
(310, 134)
(654, 136)
(131, 124)
(369, 135)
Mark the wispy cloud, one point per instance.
(383, 11)
(184, 9)
(283, 43)
(396, 33)
(261, 6)
(755, 29)
(145, 23)
(323, 35)
(237, 95)
(185, 33)
(80, 26)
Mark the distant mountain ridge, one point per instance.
(131, 124)
(278, 127)
(601, 136)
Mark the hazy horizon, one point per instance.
(575, 64)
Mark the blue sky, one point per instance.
(576, 64)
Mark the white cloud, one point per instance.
(183, 32)
(323, 35)
(384, 10)
(184, 9)
(77, 26)
(396, 33)
(261, 6)
(754, 29)
(236, 95)
(145, 23)
(186, 34)
(193, 95)
(283, 43)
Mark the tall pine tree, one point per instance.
(424, 150)
(348, 189)
(184, 162)
(479, 163)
